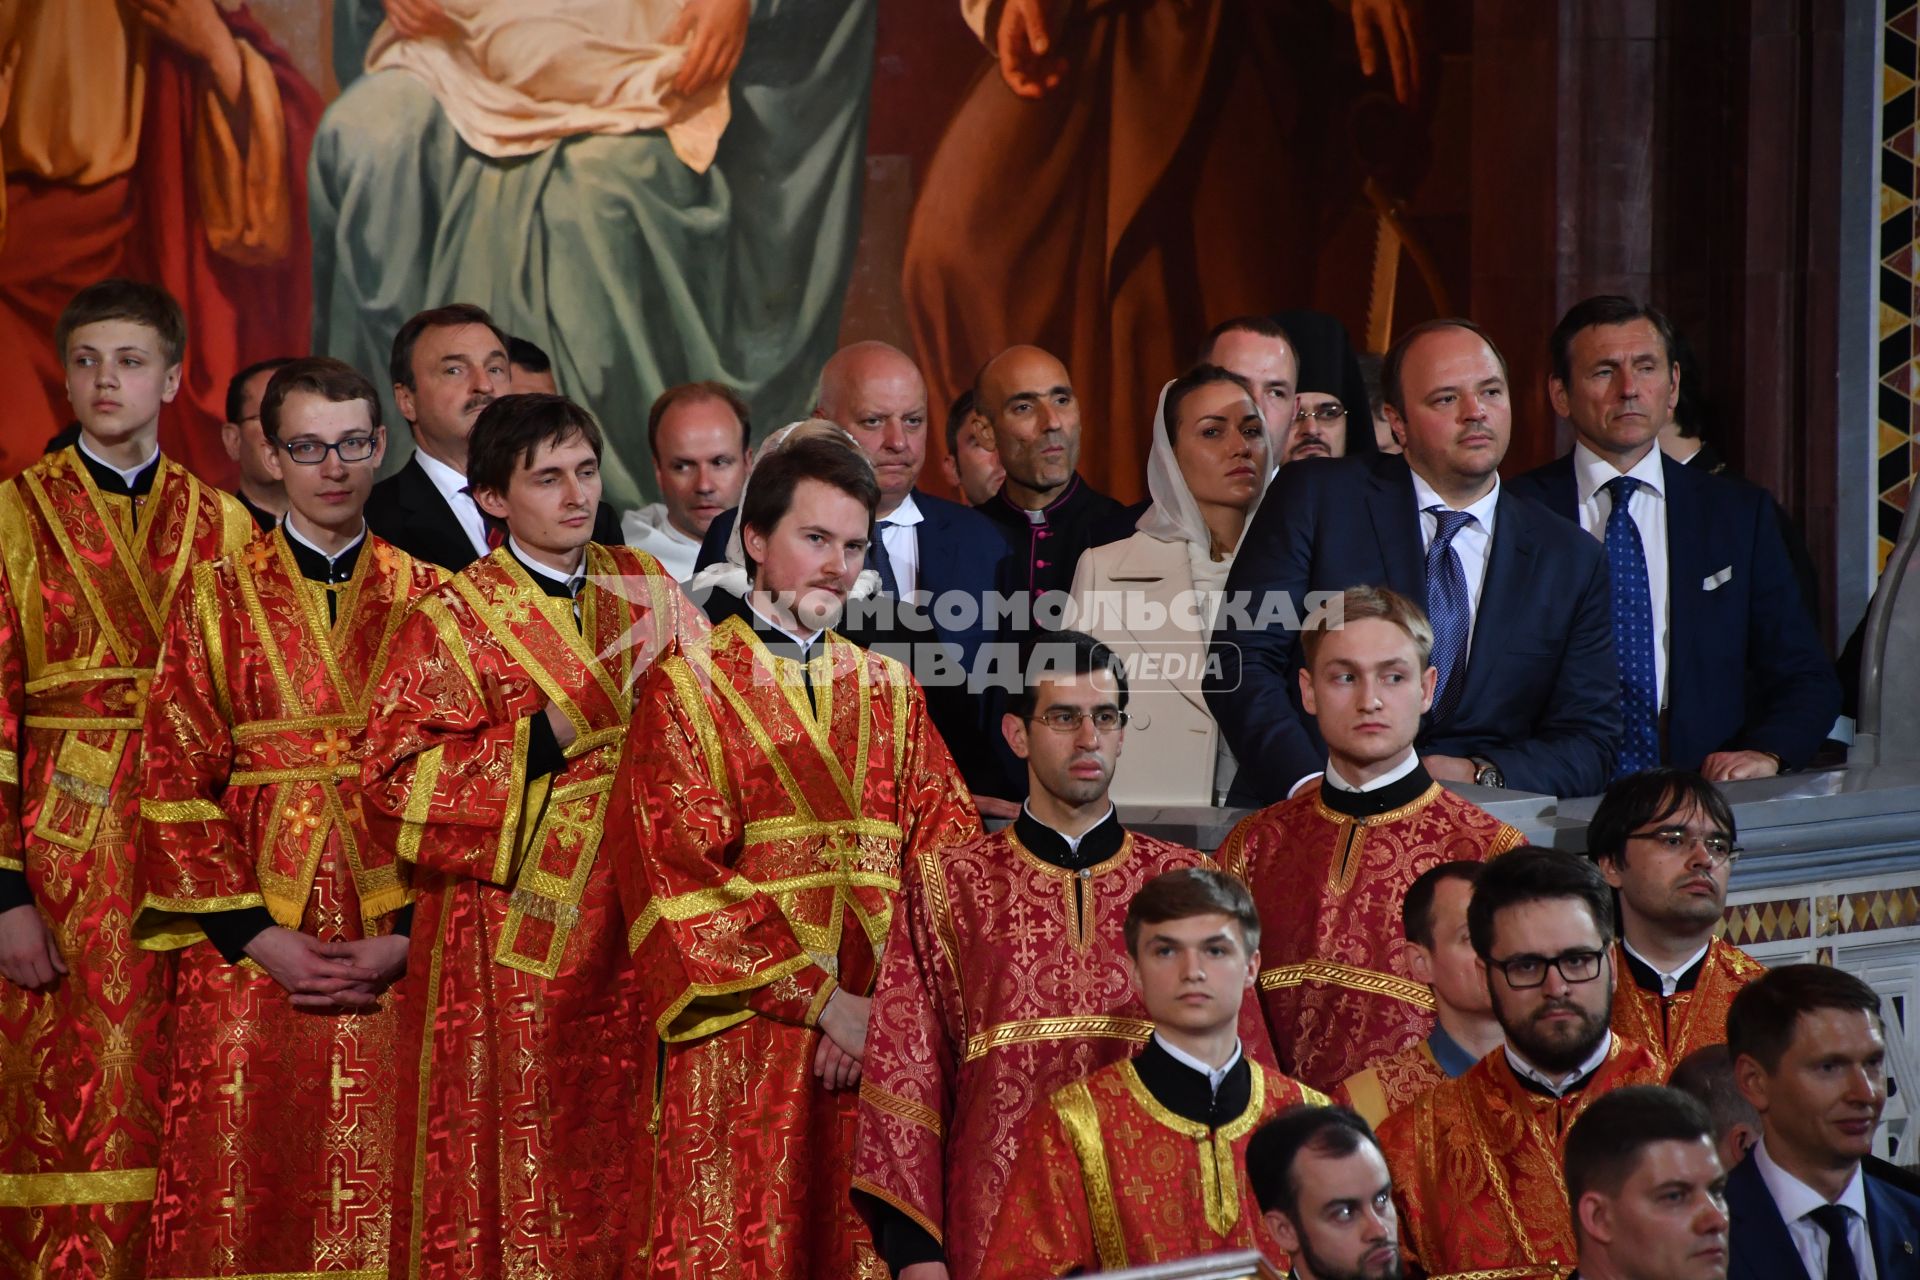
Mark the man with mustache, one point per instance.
(1648, 1191)
(1528, 701)
(973, 1027)
(1664, 839)
(1325, 1192)
(1476, 1162)
(1721, 665)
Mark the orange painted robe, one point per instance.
(518, 1076)
(769, 838)
(1005, 979)
(278, 1147)
(1108, 1177)
(1329, 889)
(1672, 1027)
(1391, 1083)
(1476, 1168)
(86, 582)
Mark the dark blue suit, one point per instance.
(1759, 1247)
(1542, 687)
(1746, 669)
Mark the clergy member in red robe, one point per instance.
(486, 769)
(1665, 840)
(1477, 1161)
(1330, 864)
(96, 542)
(1146, 1159)
(1005, 975)
(168, 146)
(278, 1148)
(777, 778)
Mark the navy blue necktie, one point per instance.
(882, 562)
(1632, 633)
(1448, 609)
(1833, 1219)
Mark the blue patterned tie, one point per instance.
(1448, 609)
(1632, 633)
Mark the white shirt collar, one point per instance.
(1590, 471)
(806, 645)
(571, 581)
(1216, 1076)
(1482, 511)
(908, 512)
(1558, 1088)
(1073, 842)
(1388, 778)
(293, 531)
(1669, 982)
(125, 473)
(1795, 1199)
(449, 482)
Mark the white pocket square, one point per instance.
(1711, 581)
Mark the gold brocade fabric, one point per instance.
(1674, 1026)
(1391, 1083)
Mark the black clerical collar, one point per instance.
(1185, 1092)
(723, 604)
(1012, 512)
(1101, 842)
(263, 519)
(1397, 794)
(316, 565)
(1647, 978)
(550, 580)
(112, 480)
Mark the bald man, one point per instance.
(928, 549)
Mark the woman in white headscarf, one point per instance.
(1152, 597)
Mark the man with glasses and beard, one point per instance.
(1477, 1162)
(1324, 1190)
(1664, 839)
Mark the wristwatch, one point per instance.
(1486, 773)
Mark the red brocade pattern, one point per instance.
(1673, 1027)
(86, 583)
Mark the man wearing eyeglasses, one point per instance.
(246, 855)
(1664, 839)
(1005, 975)
(1477, 1161)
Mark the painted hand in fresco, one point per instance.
(714, 31)
(1023, 45)
(415, 18)
(196, 28)
(1385, 25)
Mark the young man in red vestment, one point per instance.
(96, 540)
(486, 768)
(1476, 1161)
(777, 778)
(1439, 954)
(1664, 839)
(278, 1149)
(1145, 1160)
(1331, 864)
(1005, 976)
(1323, 1186)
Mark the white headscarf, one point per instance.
(731, 574)
(1174, 515)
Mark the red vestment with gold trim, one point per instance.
(1108, 1177)
(278, 1149)
(1674, 1026)
(1476, 1166)
(770, 832)
(86, 582)
(1005, 978)
(1391, 1083)
(1329, 888)
(518, 1076)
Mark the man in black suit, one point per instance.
(1526, 701)
(1646, 1188)
(926, 546)
(447, 365)
(264, 497)
(1810, 1055)
(1721, 666)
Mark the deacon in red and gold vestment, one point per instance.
(1440, 955)
(1665, 839)
(487, 765)
(278, 1148)
(1477, 1161)
(1330, 864)
(96, 541)
(1145, 1160)
(1005, 975)
(777, 777)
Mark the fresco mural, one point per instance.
(662, 190)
